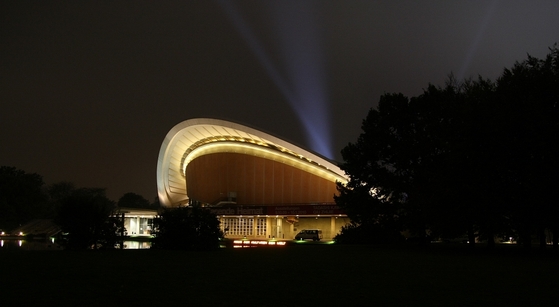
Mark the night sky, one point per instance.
(89, 89)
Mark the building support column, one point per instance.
(254, 227)
(332, 227)
(268, 227)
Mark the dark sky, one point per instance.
(89, 89)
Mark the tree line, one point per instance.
(25, 196)
(88, 219)
(475, 158)
(86, 216)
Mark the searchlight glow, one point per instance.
(301, 52)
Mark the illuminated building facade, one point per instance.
(260, 186)
(138, 222)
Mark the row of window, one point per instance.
(244, 226)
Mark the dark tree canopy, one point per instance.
(133, 200)
(22, 198)
(60, 191)
(187, 228)
(86, 217)
(477, 158)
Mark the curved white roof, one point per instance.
(200, 136)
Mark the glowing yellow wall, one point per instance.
(257, 181)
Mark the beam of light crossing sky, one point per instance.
(302, 57)
(475, 44)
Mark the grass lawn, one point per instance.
(309, 275)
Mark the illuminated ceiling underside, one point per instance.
(201, 136)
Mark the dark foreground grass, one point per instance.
(318, 275)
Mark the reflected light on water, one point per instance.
(136, 245)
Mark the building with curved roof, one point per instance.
(244, 173)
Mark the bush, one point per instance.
(367, 234)
(187, 228)
(85, 216)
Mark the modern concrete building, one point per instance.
(137, 221)
(259, 185)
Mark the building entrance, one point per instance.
(277, 228)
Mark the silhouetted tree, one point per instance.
(379, 168)
(155, 204)
(86, 218)
(476, 158)
(529, 103)
(133, 200)
(22, 197)
(59, 191)
(187, 228)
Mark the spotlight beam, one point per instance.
(302, 56)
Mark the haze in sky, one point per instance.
(89, 89)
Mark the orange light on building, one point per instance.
(255, 243)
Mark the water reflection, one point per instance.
(29, 245)
(51, 245)
(136, 245)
